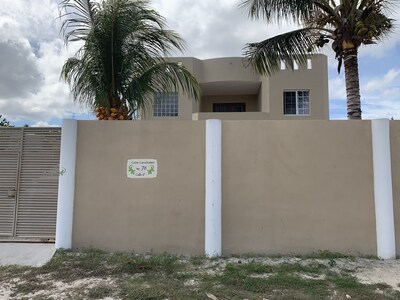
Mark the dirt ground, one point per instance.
(386, 271)
(367, 271)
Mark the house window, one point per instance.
(229, 107)
(165, 104)
(296, 103)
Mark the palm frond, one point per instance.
(120, 61)
(277, 9)
(161, 76)
(347, 23)
(294, 46)
(78, 18)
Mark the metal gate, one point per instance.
(29, 172)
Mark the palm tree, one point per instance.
(348, 24)
(120, 63)
(4, 122)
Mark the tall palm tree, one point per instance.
(120, 63)
(347, 24)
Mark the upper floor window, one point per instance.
(296, 102)
(165, 104)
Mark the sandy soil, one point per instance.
(387, 271)
(367, 271)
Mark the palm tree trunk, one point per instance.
(113, 104)
(352, 84)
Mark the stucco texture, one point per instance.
(113, 212)
(297, 187)
(287, 187)
(395, 151)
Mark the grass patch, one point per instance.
(281, 277)
(325, 254)
(101, 291)
(197, 260)
(30, 286)
(157, 263)
(70, 266)
(95, 274)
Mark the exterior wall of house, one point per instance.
(186, 106)
(395, 150)
(315, 80)
(287, 187)
(227, 69)
(185, 110)
(113, 212)
(234, 80)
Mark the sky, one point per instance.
(32, 53)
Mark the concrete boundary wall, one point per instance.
(159, 214)
(383, 189)
(66, 185)
(395, 151)
(287, 187)
(297, 186)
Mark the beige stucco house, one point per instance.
(232, 91)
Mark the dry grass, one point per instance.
(93, 274)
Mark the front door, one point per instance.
(8, 192)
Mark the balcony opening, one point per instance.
(229, 107)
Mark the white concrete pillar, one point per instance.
(66, 184)
(213, 189)
(384, 215)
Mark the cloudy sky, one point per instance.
(32, 53)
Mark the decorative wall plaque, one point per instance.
(142, 168)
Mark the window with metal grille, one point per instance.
(296, 102)
(165, 104)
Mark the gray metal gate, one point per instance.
(29, 166)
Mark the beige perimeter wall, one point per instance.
(395, 150)
(113, 212)
(288, 187)
(297, 186)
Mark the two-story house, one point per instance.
(232, 91)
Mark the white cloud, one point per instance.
(215, 28)
(32, 54)
(337, 88)
(36, 20)
(19, 74)
(52, 98)
(380, 96)
(382, 83)
(44, 124)
(384, 109)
